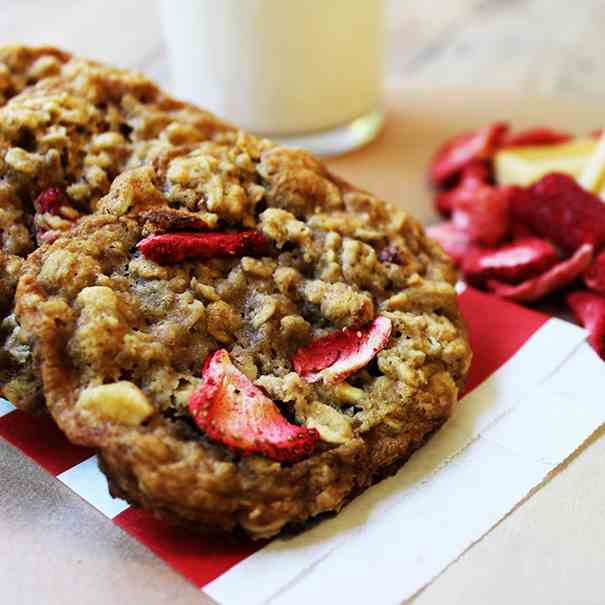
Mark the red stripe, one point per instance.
(39, 438)
(497, 330)
(199, 558)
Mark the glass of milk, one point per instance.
(303, 72)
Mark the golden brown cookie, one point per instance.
(248, 341)
(21, 66)
(68, 127)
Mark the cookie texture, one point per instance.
(68, 128)
(21, 66)
(120, 339)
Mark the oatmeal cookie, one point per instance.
(247, 340)
(21, 67)
(74, 126)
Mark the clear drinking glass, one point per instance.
(303, 72)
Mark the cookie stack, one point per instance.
(247, 340)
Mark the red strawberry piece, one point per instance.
(560, 275)
(596, 134)
(455, 242)
(457, 153)
(482, 211)
(594, 277)
(443, 202)
(536, 136)
(170, 248)
(511, 263)
(477, 172)
(557, 208)
(589, 309)
(391, 254)
(474, 174)
(520, 231)
(334, 357)
(235, 412)
(51, 201)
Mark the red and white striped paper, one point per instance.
(519, 358)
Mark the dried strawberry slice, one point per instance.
(336, 356)
(235, 412)
(520, 231)
(51, 201)
(557, 208)
(443, 202)
(457, 153)
(455, 242)
(474, 174)
(536, 136)
(594, 277)
(557, 277)
(391, 254)
(589, 309)
(477, 172)
(510, 263)
(482, 211)
(170, 248)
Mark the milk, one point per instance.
(278, 67)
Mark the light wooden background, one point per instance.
(551, 46)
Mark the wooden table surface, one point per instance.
(538, 46)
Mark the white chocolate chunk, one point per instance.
(332, 426)
(345, 393)
(593, 175)
(121, 402)
(526, 165)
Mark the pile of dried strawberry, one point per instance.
(521, 243)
